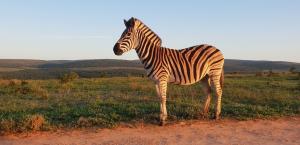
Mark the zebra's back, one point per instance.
(190, 65)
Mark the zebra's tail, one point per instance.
(222, 78)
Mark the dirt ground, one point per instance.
(267, 132)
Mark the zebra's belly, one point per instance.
(189, 75)
(183, 81)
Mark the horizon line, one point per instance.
(135, 59)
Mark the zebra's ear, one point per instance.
(129, 23)
(125, 22)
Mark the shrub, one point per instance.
(7, 125)
(69, 77)
(35, 122)
(66, 80)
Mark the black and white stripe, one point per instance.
(164, 65)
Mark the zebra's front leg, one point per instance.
(161, 89)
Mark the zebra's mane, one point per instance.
(141, 25)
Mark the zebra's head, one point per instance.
(128, 38)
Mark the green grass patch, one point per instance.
(106, 102)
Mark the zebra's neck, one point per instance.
(149, 46)
(146, 51)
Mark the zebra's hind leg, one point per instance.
(218, 91)
(207, 90)
(161, 89)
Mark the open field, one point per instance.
(107, 102)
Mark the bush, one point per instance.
(35, 122)
(7, 125)
(69, 77)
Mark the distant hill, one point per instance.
(92, 63)
(234, 65)
(17, 63)
(231, 65)
(42, 69)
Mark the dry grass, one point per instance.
(35, 122)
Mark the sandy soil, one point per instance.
(267, 132)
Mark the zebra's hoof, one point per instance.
(217, 118)
(162, 123)
(204, 116)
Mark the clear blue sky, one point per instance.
(86, 29)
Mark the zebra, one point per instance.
(163, 65)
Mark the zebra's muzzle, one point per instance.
(117, 49)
